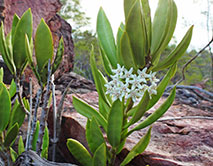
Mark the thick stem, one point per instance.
(113, 157)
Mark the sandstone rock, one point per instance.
(173, 143)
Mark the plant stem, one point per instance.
(113, 157)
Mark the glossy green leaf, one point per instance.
(59, 55)
(1, 74)
(79, 152)
(103, 108)
(20, 146)
(13, 154)
(45, 144)
(43, 45)
(120, 32)
(89, 112)
(177, 52)
(162, 86)
(126, 52)
(17, 115)
(148, 22)
(96, 75)
(11, 135)
(138, 148)
(5, 106)
(12, 89)
(163, 26)
(106, 63)
(106, 38)
(99, 158)
(135, 29)
(14, 24)
(9, 46)
(35, 136)
(94, 135)
(4, 51)
(24, 26)
(115, 122)
(157, 114)
(140, 110)
(128, 4)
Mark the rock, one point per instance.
(186, 142)
(48, 10)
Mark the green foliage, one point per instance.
(137, 50)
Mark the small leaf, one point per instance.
(94, 135)
(157, 114)
(14, 24)
(135, 29)
(89, 112)
(20, 146)
(138, 148)
(115, 122)
(128, 4)
(107, 65)
(99, 158)
(79, 152)
(12, 89)
(121, 30)
(59, 55)
(35, 136)
(106, 38)
(1, 74)
(5, 106)
(23, 27)
(45, 145)
(11, 135)
(13, 154)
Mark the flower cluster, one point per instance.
(126, 84)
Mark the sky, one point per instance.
(189, 13)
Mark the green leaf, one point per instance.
(121, 30)
(94, 135)
(20, 146)
(23, 27)
(59, 55)
(103, 108)
(115, 122)
(127, 56)
(177, 52)
(14, 24)
(157, 114)
(45, 145)
(5, 106)
(163, 26)
(79, 152)
(148, 22)
(1, 74)
(13, 154)
(135, 29)
(17, 115)
(107, 65)
(4, 51)
(106, 38)
(11, 135)
(99, 157)
(35, 136)
(43, 49)
(89, 112)
(140, 109)
(12, 89)
(138, 148)
(128, 4)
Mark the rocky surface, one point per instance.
(186, 142)
(48, 10)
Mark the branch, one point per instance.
(185, 117)
(191, 60)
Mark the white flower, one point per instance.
(152, 78)
(137, 81)
(119, 71)
(127, 74)
(143, 73)
(134, 94)
(152, 90)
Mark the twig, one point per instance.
(44, 112)
(38, 98)
(184, 117)
(29, 117)
(190, 61)
(55, 139)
